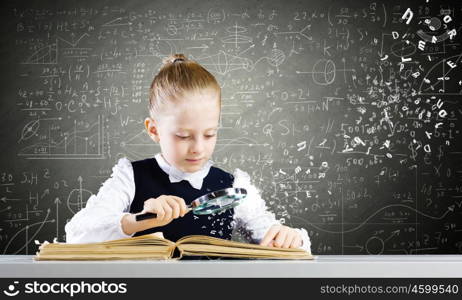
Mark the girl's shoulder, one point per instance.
(123, 164)
(241, 178)
(122, 173)
(140, 161)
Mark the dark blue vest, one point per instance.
(151, 182)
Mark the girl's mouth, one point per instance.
(193, 160)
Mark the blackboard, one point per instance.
(347, 114)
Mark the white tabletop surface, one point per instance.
(22, 266)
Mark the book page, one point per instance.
(210, 246)
(141, 247)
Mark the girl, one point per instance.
(184, 107)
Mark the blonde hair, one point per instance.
(176, 76)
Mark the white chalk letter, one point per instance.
(447, 19)
(427, 148)
(421, 45)
(408, 14)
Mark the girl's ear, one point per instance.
(151, 128)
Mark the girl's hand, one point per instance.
(281, 236)
(167, 209)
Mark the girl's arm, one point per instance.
(253, 215)
(101, 218)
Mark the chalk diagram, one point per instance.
(27, 235)
(236, 37)
(76, 144)
(46, 55)
(403, 48)
(74, 200)
(70, 49)
(434, 81)
(119, 21)
(138, 145)
(323, 72)
(300, 32)
(223, 63)
(276, 58)
(374, 240)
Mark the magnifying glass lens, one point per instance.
(218, 204)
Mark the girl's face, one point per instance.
(187, 130)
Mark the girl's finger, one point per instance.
(297, 242)
(168, 212)
(289, 238)
(175, 207)
(269, 236)
(183, 208)
(159, 210)
(281, 237)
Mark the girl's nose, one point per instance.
(197, 145)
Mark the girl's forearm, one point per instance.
(130, 225)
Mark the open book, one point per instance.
(151, 246)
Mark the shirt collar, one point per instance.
(176, 175)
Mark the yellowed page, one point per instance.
(140, 247)
(114, 256)
(210, 246)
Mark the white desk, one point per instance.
(23, 266)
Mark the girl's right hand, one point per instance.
(166, 207)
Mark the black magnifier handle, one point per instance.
(149, 215)
(145, 216)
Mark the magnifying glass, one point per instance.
(213, 202)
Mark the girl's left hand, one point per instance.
(281, 236)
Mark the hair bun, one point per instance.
(174, 58)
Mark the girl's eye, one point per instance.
(185, 137)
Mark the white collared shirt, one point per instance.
(176, 175)
(100, 220)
